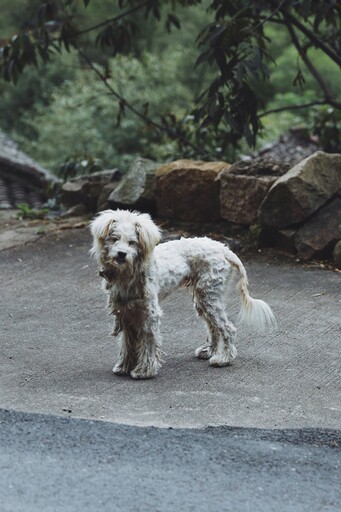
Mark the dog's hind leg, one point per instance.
(206, 350)
(220, 350)
(226, 351)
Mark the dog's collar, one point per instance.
(108, 274)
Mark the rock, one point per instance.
(337, 254)
(285, 240)
(243, 187)
(87, 189)
(103, 202)
(72, 192)
(295, 196)
(189, 190)
(317, 237)
(136, 189)
(76, 210)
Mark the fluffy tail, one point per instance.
(254, 312)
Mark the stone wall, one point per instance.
(297, 208)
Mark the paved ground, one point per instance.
(56, 358)
(56, 355)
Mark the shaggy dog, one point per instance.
(137, 272)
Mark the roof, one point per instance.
(22, 180)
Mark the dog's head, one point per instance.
(122, 237)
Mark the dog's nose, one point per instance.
(121, 255)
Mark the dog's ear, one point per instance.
(148, 233)
(100, 228)
(101, 225)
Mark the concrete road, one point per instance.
(57, 355)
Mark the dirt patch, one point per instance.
(15, 231)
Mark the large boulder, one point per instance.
(318, 236)
(189, 190)
(337, 254)
(295, 196)
(137, 187)
(86, 190)
(243, 187)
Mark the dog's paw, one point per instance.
(224, 358)
(143, 374)
(203, 352)
(120, 370)
(147, 371)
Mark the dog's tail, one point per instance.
(254, 312)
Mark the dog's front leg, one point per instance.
(127, 355)
(148, 358)
(127, 358)
(149, 346)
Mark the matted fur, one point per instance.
(136, 272)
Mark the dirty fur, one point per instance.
(137, 272)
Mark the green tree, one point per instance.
(235, 42)
(82, 107)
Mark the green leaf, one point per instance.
(13, 71)
(172, 20)
(299, 79)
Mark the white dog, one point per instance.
(136, 274)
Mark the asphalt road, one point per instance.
(57, 464)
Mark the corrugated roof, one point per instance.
(22, 180)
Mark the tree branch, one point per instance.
(294, 107)
(139, 114)
(111, 20)
(313, 71)
(313, 38)
(270, 16)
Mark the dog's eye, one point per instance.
(113, 238)
(132, 242)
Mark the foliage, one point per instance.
(327, 126)
(78, 166)
(18, 104)
(26, 212)
(81, 120)
(237, 42)
(256, 60)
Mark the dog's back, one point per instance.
(198, 262)
(182, 262)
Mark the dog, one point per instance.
(137, 272)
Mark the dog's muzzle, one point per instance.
(121, 257)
